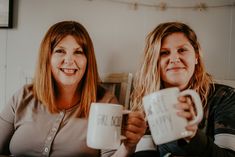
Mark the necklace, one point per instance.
(65, 106)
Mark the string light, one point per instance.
(163, 6)
(201, 7)
(134, 6)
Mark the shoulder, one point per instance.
(219, 91)
(22, 94)
(221, 101)
(222, 92)
(222, 104)
(222, 113)
(19, 99)
(222, 87)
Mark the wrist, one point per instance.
(129, 148)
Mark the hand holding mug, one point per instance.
(166, 121)
(187, 110)
(134, 129)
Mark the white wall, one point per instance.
(118, 33)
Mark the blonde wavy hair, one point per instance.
(44, 86)
(148, 78)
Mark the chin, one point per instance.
(177, 83)
(69, 83)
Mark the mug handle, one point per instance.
(123, 113)
(198, 104)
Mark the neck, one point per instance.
(67, 97)
(181, 87)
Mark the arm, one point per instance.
(6, 127)
(5, 136)
(7, 120)
(121, 151)
(134, 129)
(219, 141)
(203, 146)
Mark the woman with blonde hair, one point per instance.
(173, 58)
(49, 117)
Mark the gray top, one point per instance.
(29, 129)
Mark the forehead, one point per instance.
(68, 39)
(175, 39)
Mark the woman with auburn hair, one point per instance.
(173, 58)
(49, 117)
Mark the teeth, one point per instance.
(69, 71)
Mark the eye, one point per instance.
(182, 50)
(164, 52)
(59, 51)
(79, 52)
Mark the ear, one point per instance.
(197, 56)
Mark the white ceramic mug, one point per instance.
(146, 144)
(164, 123)
(104, 126)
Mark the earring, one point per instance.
(196, 62)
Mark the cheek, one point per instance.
(82, 62)
(162, 65)
(54, 61)
(54, 70)
(191, 64)
(193, 69)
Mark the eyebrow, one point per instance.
(180, 46)
(78, 48)
(187, 44)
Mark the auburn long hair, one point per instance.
(148, 78)
(44, 83)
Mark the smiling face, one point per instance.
(68, 62)
(177, 61)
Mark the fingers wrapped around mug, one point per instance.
(186, 108)
(134, 129)
(187, 111)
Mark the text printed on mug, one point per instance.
(106, 120)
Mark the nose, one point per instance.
(174, 59)
(68, 59)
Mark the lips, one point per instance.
(68, 71)
(175, 68)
